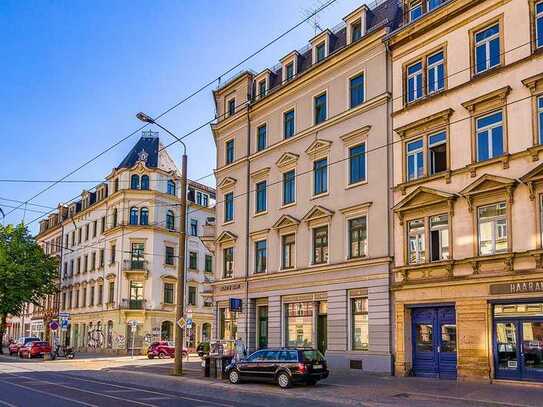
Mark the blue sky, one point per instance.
(74, 74)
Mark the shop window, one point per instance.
(492, 220)
(299, 324)
(416, 242)
(487, 48)
(227, 324)
(439, 237)
(320, 245)
(359, 324)
(260, 256)
(358, 239)
(490, 136)
(288, 247)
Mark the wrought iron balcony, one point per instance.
(135, 265)
(133, 304)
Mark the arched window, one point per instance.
(145, 182)
(171, 187)
(133, 216)
(144, 216)
(114, 217)
(170, 220)
(206, 332)
(135, 181)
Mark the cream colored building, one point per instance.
(467, 117)
(301, 239)
(120, 248)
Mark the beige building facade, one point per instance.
(467, 118)
(301, 239)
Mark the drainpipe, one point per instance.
(390, 202)
(247, 214)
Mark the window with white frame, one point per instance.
(415, 11)
(320, 52)
(439, 237)
(415, 87)
(489, 140)
(539, 24)
(416, 249)
(487, 48)
(262, 88)
(540, 118)
(435, 72)
(492, 220)
(228, 262)
(415, 159)
(289, 71)
(359, 324)
(288, 124)
(437, 152)
(320, 176)
(260, 256)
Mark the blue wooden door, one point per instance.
(434, 342)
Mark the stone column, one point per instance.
(403, 362)
(274, 321)
(472, 333)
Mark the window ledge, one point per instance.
(322, 195)
(474, 166)
(356, 184)
(257, 214)
(287, 205)
(230, 222)
(423, 180)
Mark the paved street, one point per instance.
(124, 381)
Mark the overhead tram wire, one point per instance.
(185, 99)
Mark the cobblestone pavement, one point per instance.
(105, 381)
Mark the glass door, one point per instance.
(532, 349)
(506, 350)
(262, 327)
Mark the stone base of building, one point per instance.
(357, 362)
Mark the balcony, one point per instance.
(208, 237)
(130, 304)
(136, 269)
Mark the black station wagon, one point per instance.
(285, 366)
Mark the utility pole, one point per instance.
(180, 309)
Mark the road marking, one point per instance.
(50, 394)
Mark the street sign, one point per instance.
(189, 324)
(53, 325)
(133, 325)
(181, 322)
(64, 324)
(235, 304)
(189, 312)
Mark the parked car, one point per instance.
(284, 366)
(163, 349)
(22, 341)
(34, 349)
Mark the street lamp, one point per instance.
(179, 330)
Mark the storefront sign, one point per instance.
(230, 287)
(517, 287)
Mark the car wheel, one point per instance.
(161, 355)
(283, 380)
(233, 376)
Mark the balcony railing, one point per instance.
(133, 304)
(135, 265)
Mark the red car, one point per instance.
(33, 349)
(163, 349)
(22, 341)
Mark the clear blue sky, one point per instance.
(74, 74)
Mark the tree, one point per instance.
(27, 274)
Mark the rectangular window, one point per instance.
(357, 90)
(320, 108)
(71, 267)
(437, 151)
(87, 227)
(113, 253)
(487, 48)
(320, 245)
(261, 197)
(435, 72)
(288, 247)
(414, 82)
(260, 256)
(94, 228)
(416, 242)
(357, 163)
(208, 267)
(111, 292)
(539, 24)
(540, 118)
(78, 270)
(199, 198)
(432, 4)
(288, 124)
(84, 297)
(231, 107)
(415, 159)
(415, 11)
(169, 257)
(101, 258)
(359, 324)
(490, 136)
(193, 260)
(229, 207)
(289, 71)
(492, 229)
(439, 238)
(103, 225)
(261, 138)
(229, 151)
(320, 52)
(228, 266)
(320, 176)
(205, 201)
(262, 88)
(100, 294)
(93, 261)
(194, 227)
(358, 237)
(79, 233)
(168, 293)
(356, 31)
(192, 296)
(289, 187)
(91, 296)
(63, 301)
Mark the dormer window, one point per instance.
(356, 31)
(320, 52)
(262, 89)
(231, 107)
(415, 11)
(289, 69)
(145, 182)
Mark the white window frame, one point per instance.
(433, 68)
(414, 6)
(418, 236)
(348, 234)
(494, 221)
(488, 129)
(417, 76)
(431, 171)
(283, 204)
(486, 43)
(312, 245)
(415, 154)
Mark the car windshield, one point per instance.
(313, 356)
(40, 343)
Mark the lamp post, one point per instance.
(179, 330)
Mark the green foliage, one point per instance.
(27, 274)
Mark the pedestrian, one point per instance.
(240, 350)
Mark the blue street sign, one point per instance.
(235, 304)
(189, 324)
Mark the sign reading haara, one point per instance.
(517, 287)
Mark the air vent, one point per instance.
(355, 364)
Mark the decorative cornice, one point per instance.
(317, 212)
(443, 115)
(285, 221)
(498, 94)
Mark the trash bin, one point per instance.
(207, 366)
(213, 367)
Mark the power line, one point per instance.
(185, 99)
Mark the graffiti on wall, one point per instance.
(95, 338)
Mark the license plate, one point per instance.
(317, 366)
